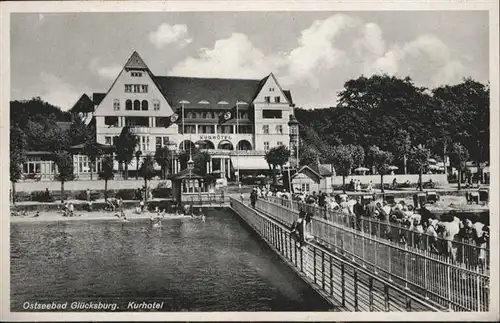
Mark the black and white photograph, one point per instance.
(234, 158)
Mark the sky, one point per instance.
(60, 56)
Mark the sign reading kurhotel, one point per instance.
(215, 137)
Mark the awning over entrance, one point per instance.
(249, 162)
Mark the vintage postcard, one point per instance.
(216, 160)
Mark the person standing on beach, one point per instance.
(120, 206)
(71, 208)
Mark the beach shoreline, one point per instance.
(93, 216)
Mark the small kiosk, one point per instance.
(188, 186)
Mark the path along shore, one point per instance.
(81, 216)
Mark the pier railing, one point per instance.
(468, 255)
(442, 283)
(343, 283)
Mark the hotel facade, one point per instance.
(184, 112)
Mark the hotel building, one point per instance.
(146, 102)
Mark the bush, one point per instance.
(161, 192)
(41, 196)
(129, 194)
(82, 195)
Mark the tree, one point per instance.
(402, 145)
(419, 156)
(343, 158)
(107, 173)
(17, 156)
(381, 160)
(92, 150)
(458, 157)
(137, 156)
(147, 172)
(64, 162)
(308, 155)
(125, 146)
(162, 158)
(201, 158)
(277, 156)
(79, 132)
(358, 154)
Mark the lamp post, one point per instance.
(293, 125)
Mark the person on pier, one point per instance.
(297, 229)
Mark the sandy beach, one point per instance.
(82, 216)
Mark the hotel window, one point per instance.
(265, 129)
(277, 99)
(144, 105)
(189, 129)
(107, 140)
(271, 89)
(156, 105)
(245, 129)
(136, 88)
(243, 115)
(305, 187)
(115, 140)
(128, 105)
(116, 104)
(165, 141)
(137, 105)
(267, 99)
(137, 121)
(279, 129)
(280, 143)
(224, 129)
(158, 143)
(111, 121)
(144, 143)
(266, 145)
(206, 129)
(271, 114)
(136, 74)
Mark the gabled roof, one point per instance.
(187, 173)
(98, 97)
(84, 104)
(288, 95)
(213, 90)
(322, 169)
(196, 89)
(307, 167)
(135, 62)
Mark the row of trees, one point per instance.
(395, 115)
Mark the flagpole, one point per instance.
(237, 154)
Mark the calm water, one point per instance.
(219, 265)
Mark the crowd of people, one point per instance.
(461, 240)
